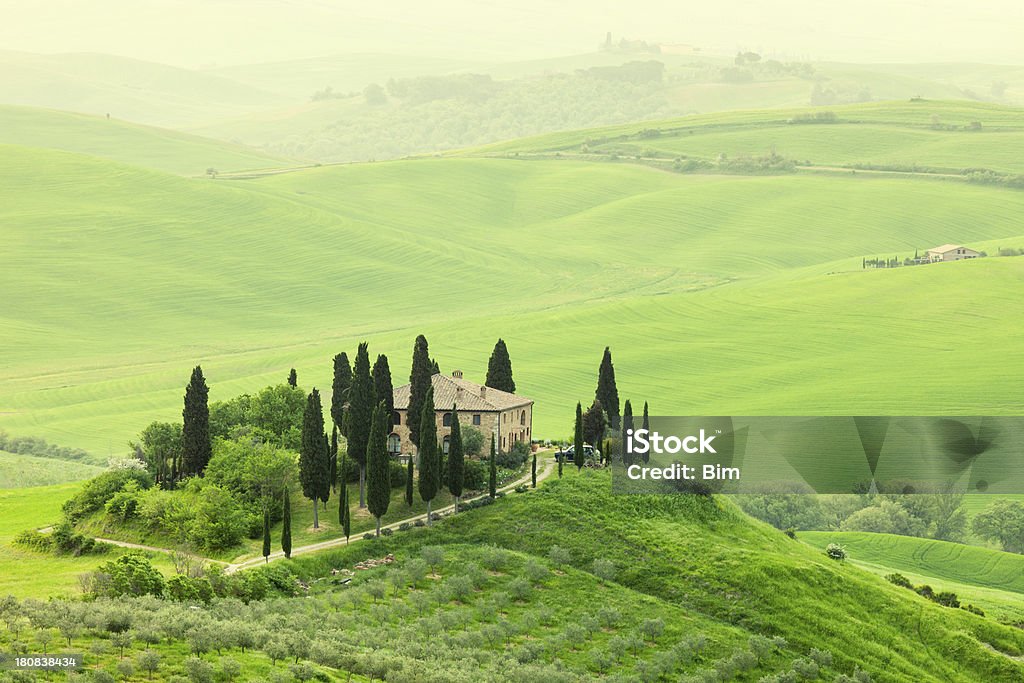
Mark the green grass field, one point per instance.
(713, 283)
(27, 573)
(19, 471)
(991, 578)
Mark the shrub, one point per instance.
(386, 531)
(369, 536)
(603, 569)
(899, 580)
(100, 489)
(559, 556)
(947, 599)
(522, 488)
(806, 669)
(973, 610)
(822, 658)
(34, 540)
(404, 526)
(515, 456)
(836, 551)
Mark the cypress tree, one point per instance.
(384, 389)
(195, 429)
(435, 369)
(533, 471)
(647, 426)
(578, 439)
(409, 483)
(314, 465)
(419, 384)
(607, 393)
(344, 514)
(492, 477)
(339, 389)
(266, 535)
(329, 471)
(456, 459)
(334, 458)
(361, 402)
(627, 424)
(293, 378)
(499, 369)
(286, 526)
(429, 475)
(560, 467)
(378, 476)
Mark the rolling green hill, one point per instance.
(130, 143)
(124, 88)
(20, 471)
(990, 578)
(712, 290)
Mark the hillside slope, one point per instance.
(714, 283)
(130, 143)
(706, 560)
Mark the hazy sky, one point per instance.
(203, 32)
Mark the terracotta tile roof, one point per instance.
(466, 395)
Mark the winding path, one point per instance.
(232, 567)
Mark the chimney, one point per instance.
(483, 392)
(457, 374)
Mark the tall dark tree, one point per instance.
(627, 425)
(577, 452)
(195, 428)
(344, 513)
(499, 369)
(334, 458)
(266, 535)
(429, 464)
(293, 378)
(435, 369)
(419, 384)
(533, 471)
(378, 465)
(286, 526)
(339, 390)
(456, 470)
(607, 393)
(361, 402)
(314, 465)
(329, 471)
(594, 424)
(492, 474)
(647, 426)
(385, 390)
(409, 483)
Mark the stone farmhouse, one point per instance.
(509, 417)
(950, 252)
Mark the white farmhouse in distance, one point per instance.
(950, 252)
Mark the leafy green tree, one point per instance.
(148, 661)
(344, 513)
(379, 464)
(314, 465)
(383, 387)
(130, 574)
(195, 429)
(293, 378)
(266, 535)
(218, 521)
(429, 480)
(456, 469)
(594, 424)
(409, 483)
(499, 369)
(339, 390)
(578, 438)
(492, 471)
(361, 403)
(607, 393)
(160, 448)
(1003, 521)
(286, 526)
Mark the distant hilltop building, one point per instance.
(509, 417)
(950, 252)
